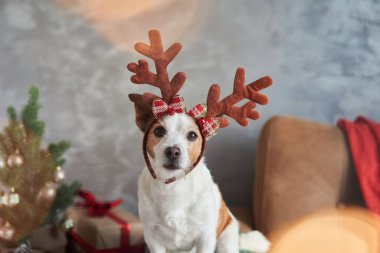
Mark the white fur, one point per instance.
(177, 127)
(182, 216)
(254, 241)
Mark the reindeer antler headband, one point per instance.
(209, 116)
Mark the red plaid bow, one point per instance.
(160, 108)
(95, 207)
(209, 126)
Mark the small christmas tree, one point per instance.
(31, 189)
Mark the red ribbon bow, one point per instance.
(209, 126)
(160, 108)
(95, 207)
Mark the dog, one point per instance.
(190, 212)
(180, 205)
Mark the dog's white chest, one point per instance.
(177, 221)
(178, 217)
(177, 227)
(173, 224)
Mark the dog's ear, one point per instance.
(143, 109)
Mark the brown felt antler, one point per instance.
(161, 60)
(160, 80)
(216, 109)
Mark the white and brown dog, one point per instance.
(183, 211)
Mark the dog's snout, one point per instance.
(172, 153)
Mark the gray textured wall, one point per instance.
(324, 57)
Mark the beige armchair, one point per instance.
(301, 167)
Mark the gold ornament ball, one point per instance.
(59, 175)
(15, 160)
(7, 232)
(48, 192)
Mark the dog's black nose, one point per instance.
(172, 153)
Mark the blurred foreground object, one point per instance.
(32, 192)
(346, 230)
(121, 22)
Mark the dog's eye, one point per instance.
(160, 132)
(191, 136)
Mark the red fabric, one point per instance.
(209, 126)
(95, 207)
(160, 108)
(364, 140)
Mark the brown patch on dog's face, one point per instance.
(152, 139)
(195, 147)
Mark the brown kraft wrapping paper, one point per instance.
(103, 234)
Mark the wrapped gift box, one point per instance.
(115, 232)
